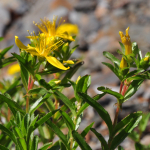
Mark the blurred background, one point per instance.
(99, 23)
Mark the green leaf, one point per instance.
(139, 146)
(45, 146)
(101, 139)
(134, 136)
(39, 102)
(101, 111)
(71, 72)
(83, 85)
(83, 134)
(63, 108)
(40, 91)
(40, 122)
(4, 51)
(9, 133)
(20, 138)
(43, 83)
(113, 93)
(124, 133)
(132, 73)
(3, 148)
(71, 51)
(11, 103)
(112, 68)
(12, 88)
(18, 118)
(112, 58)
(57, 147)
(7, 61)
(134, 86)
(23, 63)
(26, 122)
(85, 105)
(58, 132)
(35, 143)
(144, 121)
(80, 140)
(24, 76)
(126, 121)
(44, 119)
(120, 148)
(66, 101)
(122, 47)
(68, 120)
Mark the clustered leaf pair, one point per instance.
(48, 110)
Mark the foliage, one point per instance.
(38, 112)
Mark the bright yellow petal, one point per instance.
(69, 62)
(13, 69)
(65, 35)
(19, 43)
(53, 61)
(32, 51)
(68, 27)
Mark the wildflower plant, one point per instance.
(33, 103)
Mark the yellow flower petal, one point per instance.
(19, 43)
(68, 27)
(123, 63)
(69, 62)
(65, 35)
(146, 58)
(13, 69)
(53, 61)
(32, 51)
(79, 77)
(126, 41)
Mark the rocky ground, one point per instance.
(99, 22)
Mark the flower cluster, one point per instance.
(50, 39)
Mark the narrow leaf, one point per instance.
(101, 138)
(45, 146)
(125, 132)
(68, 121)
(112, 58)
(80, 140)
(58, 132)
(66, 101)
(8, 132)
(101, 111)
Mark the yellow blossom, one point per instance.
(70, 28)
(57, 81)
(128, 47)
(50, 30)
(126, 41)
(69, 62)
(123, 63)
(13, 69)
(42, 48)
(146, 58)
(79, 77)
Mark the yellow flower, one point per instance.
(13, 69)
(79, 77)
(146, 58)
(49, 29)
(69, 62)
(43, 48)
(126, 41)
(128, 47)
(123, 63)
(70, 28)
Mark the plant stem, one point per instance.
(27, 104)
